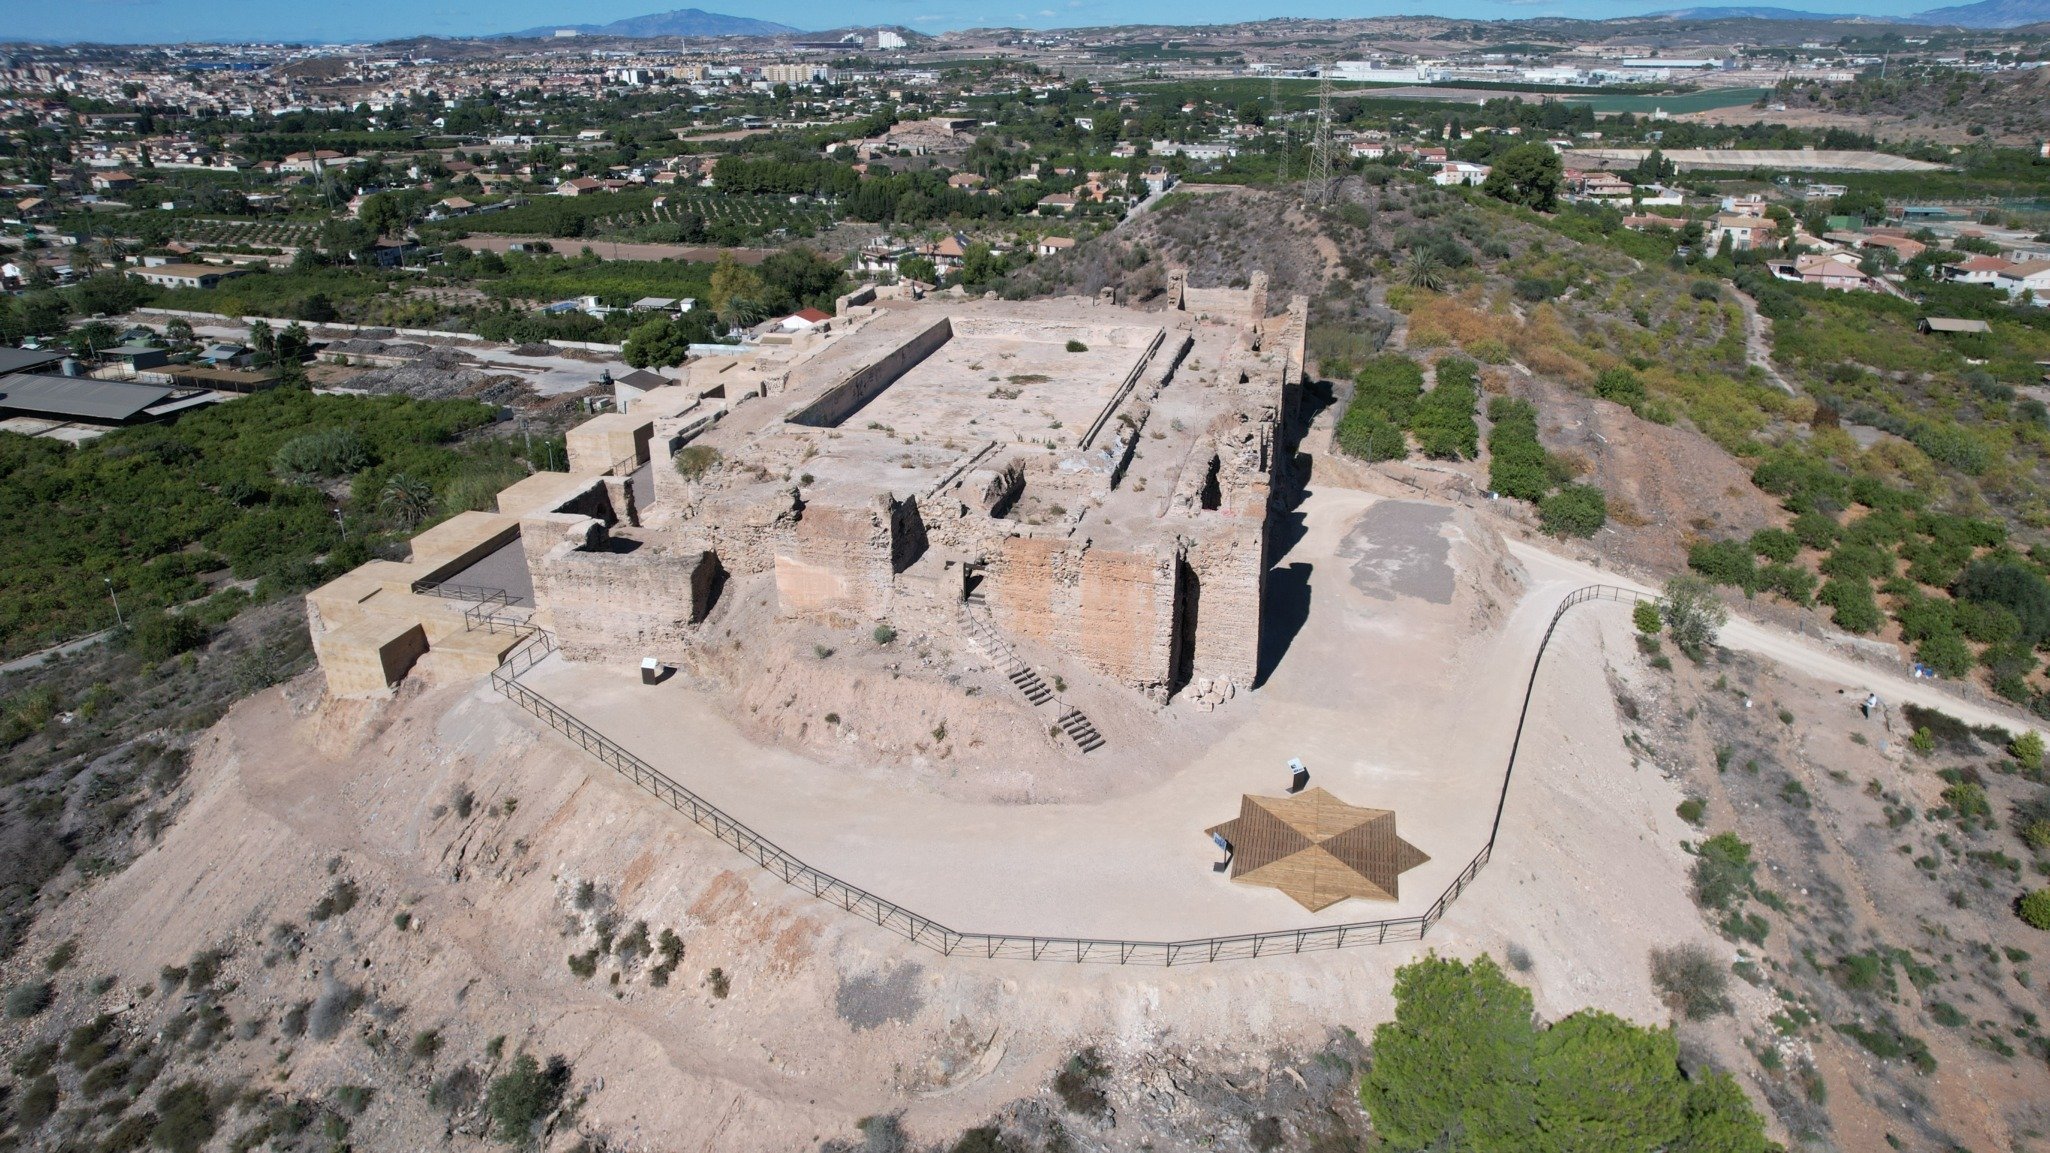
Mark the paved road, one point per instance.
(1800, 654)
(20, 664)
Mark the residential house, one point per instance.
(1056, 202)
(947, 254)
(1744, 205)
(1741, 231)
(671, 305)
(1834, 270)
(184, 275)
(227, 356)
(2031, 277)
(1053, 245)
(1606, 186)
(1981, 270)
(308, 162)
(1457, 172)
(1368, 149)
(803, 320)
(112, 182)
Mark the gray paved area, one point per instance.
(505, 569)
(1398, 549)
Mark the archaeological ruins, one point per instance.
(1093, 477)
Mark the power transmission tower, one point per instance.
(1317, 186)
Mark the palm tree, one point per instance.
(406, 501)
(1424, 270)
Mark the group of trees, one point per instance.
(1962, 595)
(1466, 1065)
(152, 508)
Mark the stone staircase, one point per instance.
(983, 634)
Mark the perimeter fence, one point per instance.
(923, 930)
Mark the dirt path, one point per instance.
(1797, 654)
(1758, 342)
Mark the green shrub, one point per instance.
(523, 1095)
(1645, 615)
(29, 998)
(1385, 392)
(1518, 466)
(2028, 749)
(693, 460)
(36, 1102)
(2015, 586)
(1077, 346)
(329, 452)
(1776, 544)
(1949, 444)
(1815, 529)
(1947, 653)
(1852, 605)
(1442, 418)
(1726, 562)
(1575, 510)
(1692, 613)
(2035, 909)
(1693, 981)
(186, 1118)
(1620, 385)
(1722, 872)
(1692, 810)
(1788, 580)
(1967, 801)
(158, 636)
(884, 634)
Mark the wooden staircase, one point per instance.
(982, 633)
(1081, 731)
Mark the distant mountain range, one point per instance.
(1984, 14)
(681, 22)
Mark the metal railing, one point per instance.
(455, 592)
(925, 931)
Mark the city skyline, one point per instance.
(232, 21)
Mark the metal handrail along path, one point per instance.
(925, 931)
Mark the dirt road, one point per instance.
(1798, 654)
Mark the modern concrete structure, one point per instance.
(1094, 477)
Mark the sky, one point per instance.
(166, 21)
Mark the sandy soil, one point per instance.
(829, 1020)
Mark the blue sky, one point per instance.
(160, 21)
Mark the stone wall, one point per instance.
(838, 560)
(608, 598)
(846, 398)
(1112, 609)
(603, 441)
